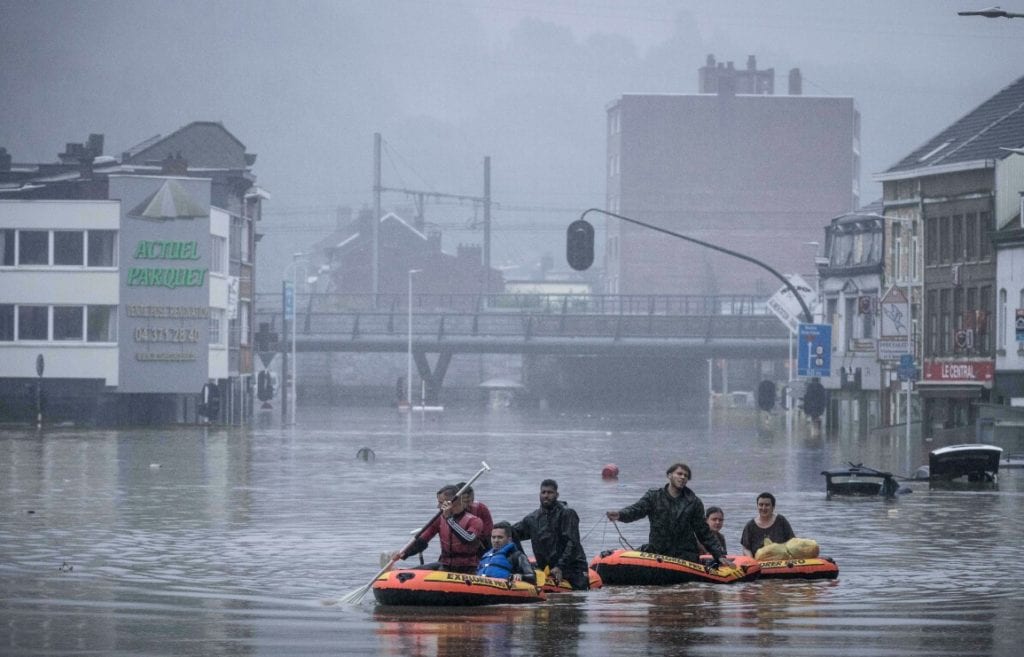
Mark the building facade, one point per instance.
(754, 173)
(953, 194)
(850, 285)
(130, 281)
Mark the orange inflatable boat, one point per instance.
(635, 567)
(435, 587)
(816, 568)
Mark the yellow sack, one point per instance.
(802, 548)
(771, 551)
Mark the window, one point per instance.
(236, 239)
(957, 238)
(32, 322)
(67, 322)
(7, 247)
(102, 248)
(246, 237)
(6, 322)
(33, 247)
(971, 237)
(985, 239)
(932, 346)
(218, 253)
(101, 324)
(851, 313)
(68, 247)
(931, 246)
(216, 326)
(243, 315)
(946, 316)
(913, 258)
(944, 239)
(1002, 320)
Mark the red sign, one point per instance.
(959, 371)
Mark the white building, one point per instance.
(121, 305)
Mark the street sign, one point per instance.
(906, 370)
(289, 300)
(814, 350)
(786, 306)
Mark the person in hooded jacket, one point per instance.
(676, 516)
(505, 559)
(554, 532)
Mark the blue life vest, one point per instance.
(496, 563)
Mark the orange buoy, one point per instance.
(610, 471)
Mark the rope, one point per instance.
(589, 531)
(622, 539)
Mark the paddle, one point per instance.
(356, 596)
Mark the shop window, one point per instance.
(32, 322)
(102, 248)
(67, 322)
(68, 247)
(33, 247)
(101, 324)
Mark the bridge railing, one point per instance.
(315, 315)
(599, 304)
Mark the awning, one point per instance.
(966, 391)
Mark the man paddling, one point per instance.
(677, 520)
(460, 533)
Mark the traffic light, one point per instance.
(815, 399)
(579, 245)
(766, 395)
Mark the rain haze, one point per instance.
(305, 85)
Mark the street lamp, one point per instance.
(408, 374)
(907, 273)
(298, 261)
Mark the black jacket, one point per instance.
(555, 534)
(677, 523)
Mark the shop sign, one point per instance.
(959, 371)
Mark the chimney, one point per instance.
(174, 165)
(727, 81)
(5, 159)
(751, 63)
(796, 84)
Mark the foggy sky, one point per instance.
(304, 85)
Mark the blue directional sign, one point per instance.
(814, 350)
(906, 371)
(289, 300)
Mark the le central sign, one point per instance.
(959, 371)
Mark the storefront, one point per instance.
(951, 390)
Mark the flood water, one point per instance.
(192, 541)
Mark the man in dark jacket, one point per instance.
(677, 519)
(554, 531)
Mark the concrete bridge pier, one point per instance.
(433, 380)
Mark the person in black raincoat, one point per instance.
(677, 519)
(554, 531)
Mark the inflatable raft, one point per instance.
(548, 586)
(635, 567)
(435, 587)
(792, 568)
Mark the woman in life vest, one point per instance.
(505, 560)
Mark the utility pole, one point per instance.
(375, 267)
(487, 223)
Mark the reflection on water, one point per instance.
(236, 542)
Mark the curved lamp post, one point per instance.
(803, 306)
